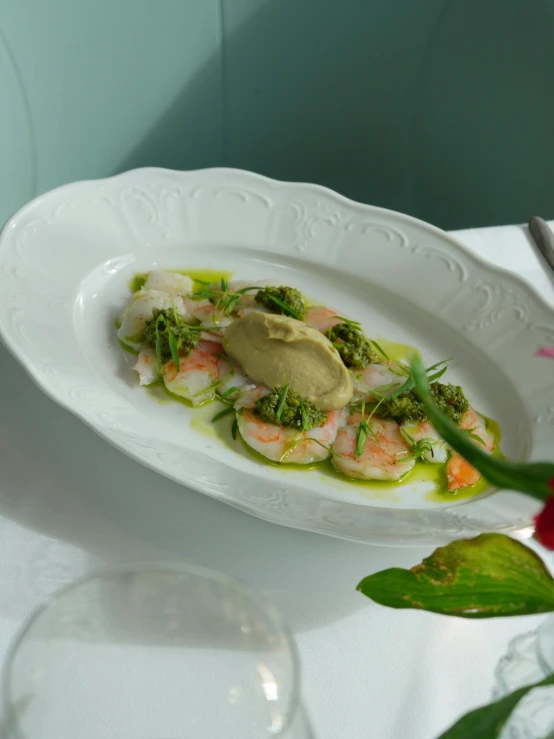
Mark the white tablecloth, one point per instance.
(70, 503)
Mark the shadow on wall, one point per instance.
(443, 109)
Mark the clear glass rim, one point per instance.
(257, 597)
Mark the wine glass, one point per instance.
(154, 652)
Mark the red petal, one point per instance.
(544, 523)
(546, 351)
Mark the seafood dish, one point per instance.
(298, 382)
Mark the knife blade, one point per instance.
(543, 238)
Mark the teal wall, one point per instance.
(440, 108)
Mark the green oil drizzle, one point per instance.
(122, 344)
(395, 351)
(127, 348)
(137, 281)
(205, 275)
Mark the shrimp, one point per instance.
(168, 282)
(385, 456)
(198, 377)
(141, 309)
(436, 451)
(147, 366)
(460, 474)
(198, 309)
(214, 322)
(288, 445)
(375, 376)
(321, 318)
(231, 376)
(249, 396)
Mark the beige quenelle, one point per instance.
(274, 349)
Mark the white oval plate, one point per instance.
(65, 264)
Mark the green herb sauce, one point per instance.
(285, 407)
(166, 322)
(354, 349)
(286, 301)
(408, 407)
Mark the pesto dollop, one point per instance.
(354, 349)
(164, 322)
(285, 407)
(450, 399)
(285, 301)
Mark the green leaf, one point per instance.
(301, 440)
(438, 364)
(282, 401)
(234, 429)
(349, 322)
(361, 438)
(476, 438)
(232, 303)
(490, 575)
(304, 415)
(174, 350)
(158, 349)
(437, 375)
(532, 479)
(208, 389)
(222, 414)
(487, 722)
(284, 306)
(228, 392)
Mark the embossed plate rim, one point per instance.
(327, 518)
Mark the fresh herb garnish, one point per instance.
(300, 440)
(361, 437)
(222, 299)
(408, 406)
(363, 430)
(285, 308)
(174, 350)
(353, 324)
(208, 389)
(304, 416)
(228, 392)
(285, 407)
(470, 435)
(222, 414)
(171, 336)
(158, 342)
(285, 300)
(234, 429)
(282, 401)
(421, 447)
